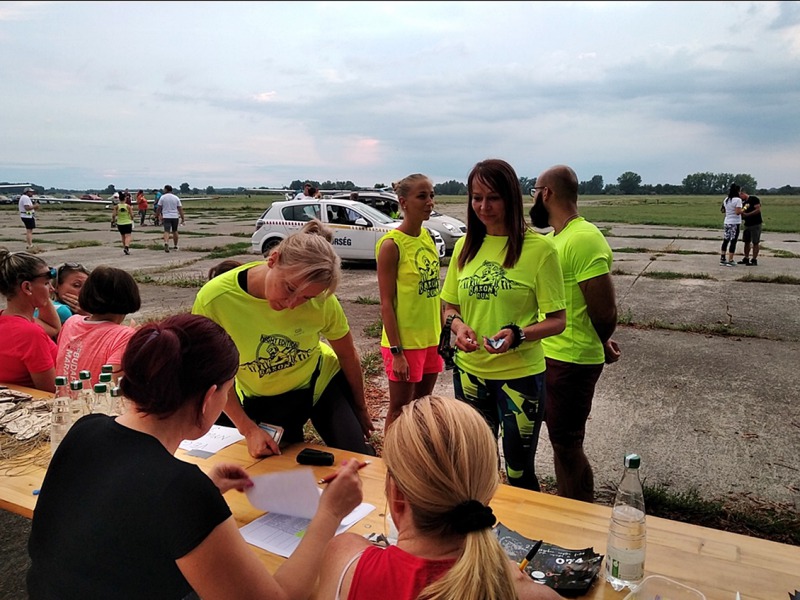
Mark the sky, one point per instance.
(258, 94)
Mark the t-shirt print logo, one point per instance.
(427, 264)
(487, 280)
(275, 353)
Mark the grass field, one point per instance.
(781, 213)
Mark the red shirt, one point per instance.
(393, 574)
(25, 349)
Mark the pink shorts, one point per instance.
(420, 362)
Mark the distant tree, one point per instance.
(629, 182)
(595, 185)
(527, 184)
(210, 190)
(746, 181)
(450, 188)
(379, 186)
(195, 191)
(110, 189)
(699, 183)
(185, 188)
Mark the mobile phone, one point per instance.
(494, 343)
(276, 431)
(309, 456)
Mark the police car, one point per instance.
(356, 226)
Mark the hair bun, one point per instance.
(470, 516)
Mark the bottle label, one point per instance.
(627, 565)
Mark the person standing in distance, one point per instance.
(575, 357)
(732, 209)
(169, 210)
(142, 205)
(27, 212)
(408, 282)
(752, 227)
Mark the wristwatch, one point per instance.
(396, 349)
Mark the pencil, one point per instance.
(332, 476)
(529, 557)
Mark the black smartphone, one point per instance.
(309, 456)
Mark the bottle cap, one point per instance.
(76, 385)
(115, 392)
(100, 388)
(61, 380)
(107, 369)
(632, 461)
(105, 377)
(85, 375)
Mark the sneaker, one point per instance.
(722, 261)
(754, 263)
(166, 248)
(730, 263)
(744, 261)
(126, 251)
(175, 248)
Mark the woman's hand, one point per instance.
(344, 493)
(367, 426)
(400, 366)
(466, 340)
(230, 477)
(71, 300)
(504, 336)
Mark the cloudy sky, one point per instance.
(139, 94)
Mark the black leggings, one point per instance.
(333, 415)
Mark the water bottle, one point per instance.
(102, 399)
(77, 405)
(117, 401)
(61, 414)
(107, 369)
(625, 551)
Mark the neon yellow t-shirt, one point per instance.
(416, 304)
(278, 350)
(491, 296)
(124, 214)
(584, 254)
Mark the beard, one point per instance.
(539, 216)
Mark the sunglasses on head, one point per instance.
(70, 266)
(51, 273)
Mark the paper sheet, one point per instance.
(294, 493)
(217, 438)
(281, 534)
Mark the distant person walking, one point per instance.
(170, 210)
(27, 212)
(158, 195)
(124, 220)
(142, 205)
(752, 227)
(575, 357)
(732, 207)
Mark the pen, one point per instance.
(332, 476)
(531, 553)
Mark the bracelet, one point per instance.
(519, 335)
(450, 318)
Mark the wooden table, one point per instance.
(715, 562)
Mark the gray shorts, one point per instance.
(170, 225)
(752, 234)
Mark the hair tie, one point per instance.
(470, 516)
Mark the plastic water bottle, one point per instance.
(102, 399)
(77, 404)
(627, 539)
(117, 401)
(61, 414)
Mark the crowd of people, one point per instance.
(524, 317)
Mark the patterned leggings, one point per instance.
(514, 408)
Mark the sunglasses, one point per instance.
(70, 266)
(51, 273)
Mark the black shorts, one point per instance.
(29, 223)
(123, 229)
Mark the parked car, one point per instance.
(356, 226)
(5, 200)
(448, 227)
(91, 197)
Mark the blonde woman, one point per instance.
(277, 311)
(408, 282)
(446, 549)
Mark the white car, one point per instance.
(448, 227)
(356, 226)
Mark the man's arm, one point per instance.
(601, 304)
(180, 212)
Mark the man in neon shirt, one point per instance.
(575, 357)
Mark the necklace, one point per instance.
(567, 220)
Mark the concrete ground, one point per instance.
(718, 414)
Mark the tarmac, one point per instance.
(716, 414)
